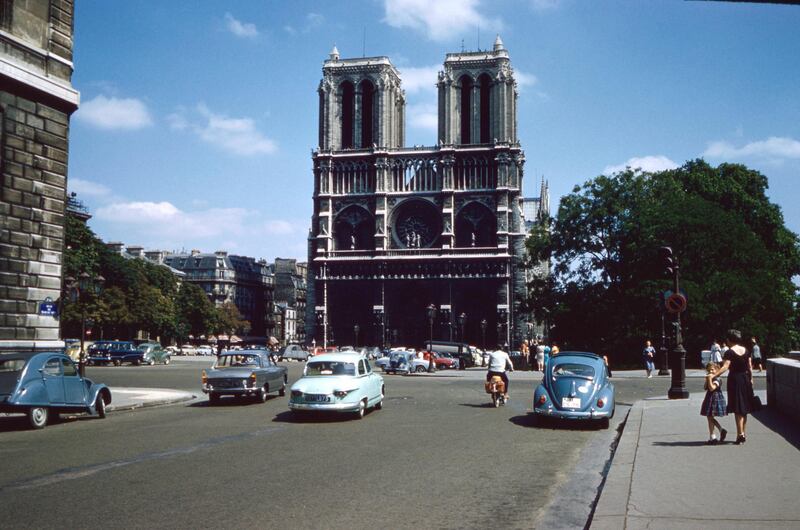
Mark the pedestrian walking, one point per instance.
(740, 381)
(525, 351)
(546, 357)
(716, 352)
(714, 405)
(540, 357)
(756, 352)
(649, 354)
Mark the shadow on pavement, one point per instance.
(694, 443)
(20, 422)
(779, 423)
(488, 405)
(314, 417)
(232, 402)
(530, 420)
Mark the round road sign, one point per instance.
(676, 303)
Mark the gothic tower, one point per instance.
(397, 230)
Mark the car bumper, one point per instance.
(333, 407)
(572, 414)
(231, 391)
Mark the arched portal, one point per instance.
(348, 106)
(485, 84)
(367, 112)
(466, 109)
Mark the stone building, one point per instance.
(242, 280)
(36, 102)
(397, 229)
(290, 289)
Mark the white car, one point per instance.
(204, 350)
(188, 349)
(339, 382)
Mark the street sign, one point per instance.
(48, 308)
(676, 303)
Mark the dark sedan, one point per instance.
(244, 373)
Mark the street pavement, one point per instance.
(664, 476)
(128, 398)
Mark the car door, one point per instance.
(53, 382)
(74, 387)
(374, 381)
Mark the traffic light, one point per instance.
(668, 260)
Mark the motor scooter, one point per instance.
(497, 388)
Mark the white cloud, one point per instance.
(278, 227)
(239, 136)
(114, 113)
(244, 30)
(524, 79)
(87, 188)
(440, 19)
(423, 116)
(648, 164)
(774, 148)
(419, 78)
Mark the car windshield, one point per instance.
(330, 368)
(227, 361)
(145, 347)
(573, 370)
(12, 365)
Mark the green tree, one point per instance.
(229, 320)
(194, 311)
(737, 259)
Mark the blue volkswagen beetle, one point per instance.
(41, 384)
(575, 386)
(338, 382)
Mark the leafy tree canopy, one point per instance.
(737, 260)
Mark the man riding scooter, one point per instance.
(499, 362)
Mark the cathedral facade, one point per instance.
(412, 242)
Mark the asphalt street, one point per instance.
(437, 456)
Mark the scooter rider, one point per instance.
(499, 362)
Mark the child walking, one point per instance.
(714, 405)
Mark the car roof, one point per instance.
(352, 357)
(577, 355)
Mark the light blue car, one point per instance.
(575, 386)
(338, 382)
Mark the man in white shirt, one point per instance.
(498, 362)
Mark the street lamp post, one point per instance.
(431, 310)
(78, 291)
(678, 388)
(462, 321)
(356, 329)
(663, 349)
(484, 325)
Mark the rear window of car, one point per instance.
(573, 370)
(315, 368)
(225, 361)
(12, 365)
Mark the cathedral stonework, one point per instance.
(397, 229)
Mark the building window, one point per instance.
(466, 109)
(6, 14)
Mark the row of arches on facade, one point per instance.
(416, 224)
(469, 110)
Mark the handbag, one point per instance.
(755, 403)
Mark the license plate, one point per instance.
(319, 398)
(571, 403)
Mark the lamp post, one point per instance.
(78, 291)
(356, 329)
(431, 310)
(462, 321)
(678, 388)
(663, 349)
(484, 325)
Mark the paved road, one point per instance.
(436, 456)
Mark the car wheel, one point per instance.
(262, 394)
(100, 407)
(117, 362)
(604, 423)
(379, 404)
(213, 398)
(37, 416)
(151, 362)
(362, 409)
(420, 370)
(166, 360)
(282, 391)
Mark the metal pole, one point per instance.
(678, 389)
(663, 349)
(82, 357)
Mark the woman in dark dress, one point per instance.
(740, 381)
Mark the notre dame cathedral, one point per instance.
(407, 242)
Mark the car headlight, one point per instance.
(341, 393)
(296, 393)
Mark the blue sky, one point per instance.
(197, 119)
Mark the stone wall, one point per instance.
(783, 385)
(33, 169)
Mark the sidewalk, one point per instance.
(127, 398)
(664, 476)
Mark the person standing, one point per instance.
(716, 352)
(756, 352)
(714, 405)
(525, 351)
(649, 355)
(540, 356)
(740, 382)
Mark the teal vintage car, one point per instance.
(338, 382)
(152, 353)
(42, 385)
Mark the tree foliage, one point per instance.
(737, 259)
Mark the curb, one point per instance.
(152, 403)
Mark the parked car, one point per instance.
(204, 350)
(403, 362)
(41, 385)
(575, 386)
(188, 349)
(456, 350)
(153, 353)
(442, 360)
(292, 352)
(73, 349)
(340, 382)
(115, 352)
(244, 373)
